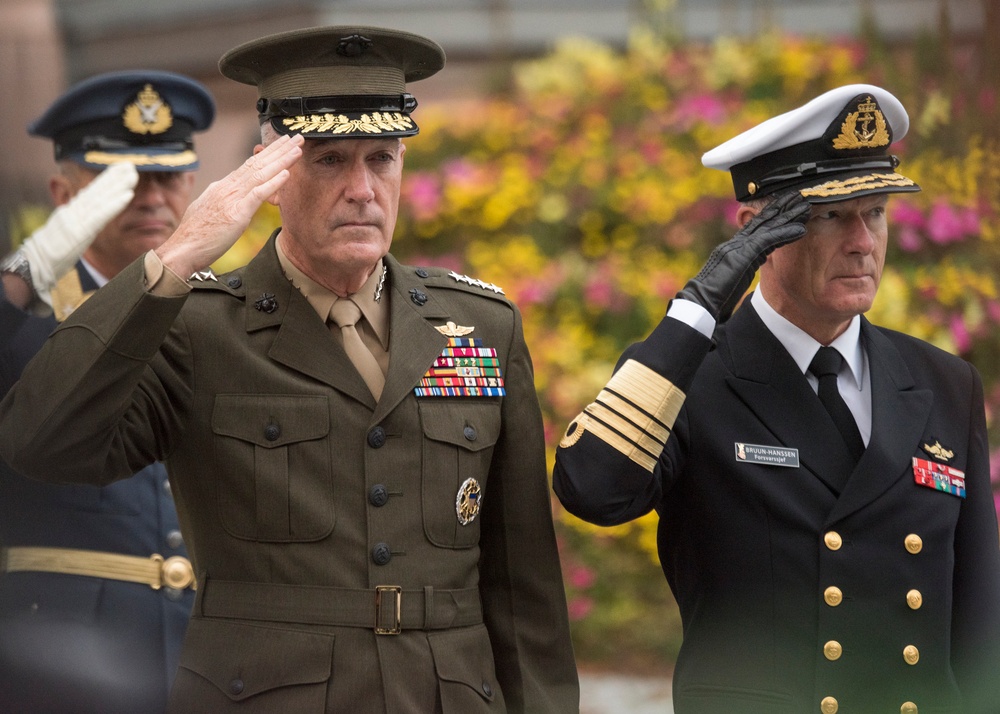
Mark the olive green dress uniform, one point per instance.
(302, 497)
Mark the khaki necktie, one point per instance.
(346, 314)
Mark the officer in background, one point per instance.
(827, 530)
(356, 445)
(95, 585)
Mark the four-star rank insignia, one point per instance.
(475, 283)
(148, 114)
(469, 501)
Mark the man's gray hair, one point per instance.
(268, 133)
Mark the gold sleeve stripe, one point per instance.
(633, 414)
(622, 445)
(648, 391)
(648, 422)
(633, 433)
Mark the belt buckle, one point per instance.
(381, 592)
(174, 572)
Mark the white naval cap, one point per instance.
(834, 148)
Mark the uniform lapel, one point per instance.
(765, 378)
(303, 341)
(414, 344)
(899, 415)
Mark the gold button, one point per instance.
(908, 708)
(914, 599)
(829, 705)
(752, 188)
(832, 650)
(913, 543)
(911, 654)
(833, 596)
(833, 540)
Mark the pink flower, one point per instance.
(423, 194)
(580, 607)
(960, 334)
(598, 292)
(534, 293)
(905, 213)
(582, 577)
(945, 225)
(908, 239)
(970, 221)
(700, 107)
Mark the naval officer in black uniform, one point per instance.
(826, 520)
(95, 584)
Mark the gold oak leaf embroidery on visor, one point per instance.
(633, 414)
(374, 123)
(184, 158)
(858, 183)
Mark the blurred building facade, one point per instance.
(45, 45)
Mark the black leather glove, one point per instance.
(730, 268)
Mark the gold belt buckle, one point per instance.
(175, 572)
(381, 593)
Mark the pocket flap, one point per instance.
(271, 420)
(465, 656)
(471, 426)
(245, 660)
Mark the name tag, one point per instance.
(767, 455)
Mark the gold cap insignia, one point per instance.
(148, 114)
(938, 451)
(857, 131)
(469, 501)
(373, 123)
(452, 330)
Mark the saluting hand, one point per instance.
(218, 217)
(730, 268)
(53, 249)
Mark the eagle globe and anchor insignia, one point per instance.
(469, 501)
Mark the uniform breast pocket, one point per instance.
(272, 457)
(458, 447)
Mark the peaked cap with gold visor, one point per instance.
(834, 148)
(145, 117)
(335, 82)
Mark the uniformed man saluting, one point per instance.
(826, 520)
(355, 445)
(95, 584)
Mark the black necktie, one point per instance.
(826, 365)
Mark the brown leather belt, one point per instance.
(154, 571)
(386, 609)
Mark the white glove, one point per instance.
(53, 249)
